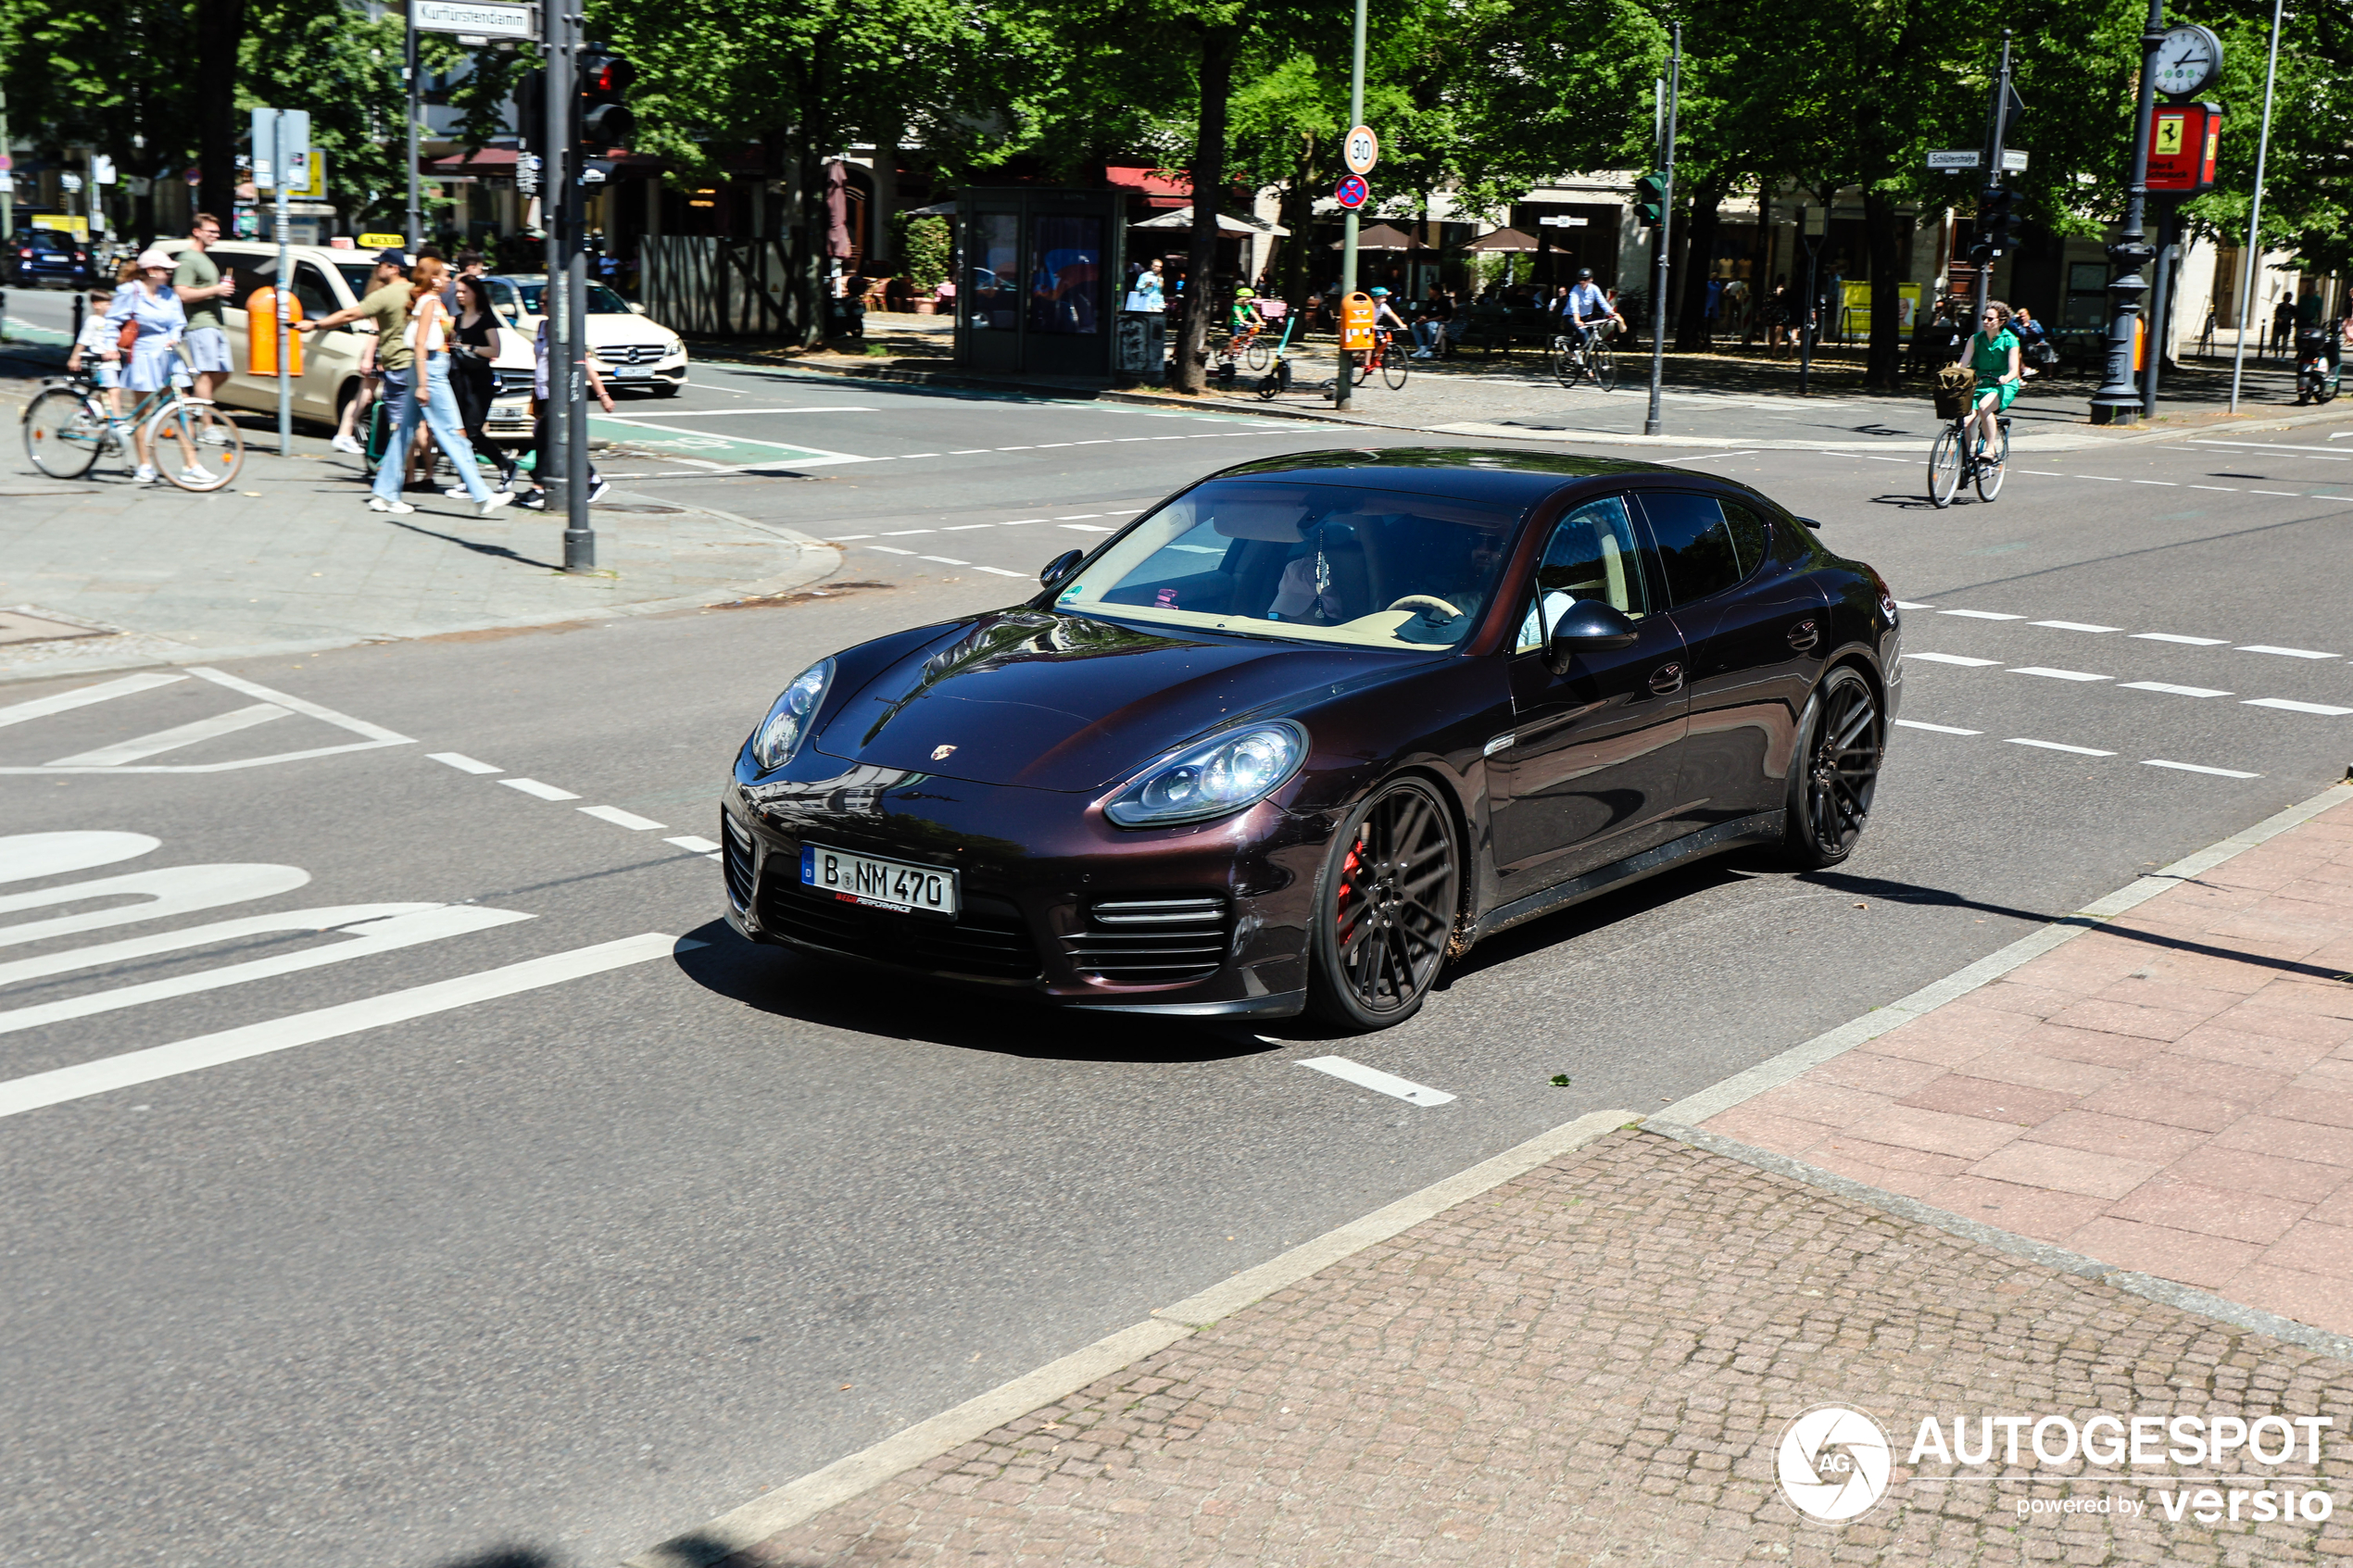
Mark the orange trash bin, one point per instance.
(261, 333)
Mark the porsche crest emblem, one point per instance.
(941, 753)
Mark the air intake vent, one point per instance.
(738, 864)
(989, 940)
(1151, 941)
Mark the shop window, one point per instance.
(996, 242)
(1066, 286)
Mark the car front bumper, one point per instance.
(1206, 920)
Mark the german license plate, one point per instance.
(878, 884)
(629, 372)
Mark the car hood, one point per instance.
(1047, 700)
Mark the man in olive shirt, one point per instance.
(385, 305)
(197, 281)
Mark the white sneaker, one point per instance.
(498, 498)
(197, 473)
(146, 474)
(214, 436)
(457, 492)
(346, 444)
(378, 504)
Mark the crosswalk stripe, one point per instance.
(176, 737)
(65, 702)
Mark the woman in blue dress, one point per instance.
(151, 302)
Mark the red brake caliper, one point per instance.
(1347, 874)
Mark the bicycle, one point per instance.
(1383, 358)
(1954, 459)
(1248, 346)
(1576, 357)
(67, 427)
(1277, 376)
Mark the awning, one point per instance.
(1503, 239)
(937, 209)
(1383, 236)
(1227, 223)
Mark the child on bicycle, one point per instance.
(100, 348)
(1243, 322)
(1993, 353)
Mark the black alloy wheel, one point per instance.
(1392, 889)
(1835, 772)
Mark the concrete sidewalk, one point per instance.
(1600, 1348)
(290, 560)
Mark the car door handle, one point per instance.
(1666, 680)
(1804, 636)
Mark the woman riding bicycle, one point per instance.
(149, 303)
(1993, 353)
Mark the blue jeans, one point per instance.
(439, 412)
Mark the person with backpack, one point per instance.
(1993, 353)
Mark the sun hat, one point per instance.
(155, 257)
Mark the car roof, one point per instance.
(1508, 478)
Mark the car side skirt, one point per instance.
(1762, 827)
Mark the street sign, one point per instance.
(481, 21)
(1352, 193)
(1564, 221)
(2014, 161)
(2183, 142)
(1361, 151)
(101, 169)
(280, 147)
(1955, 160)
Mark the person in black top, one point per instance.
(475, 345)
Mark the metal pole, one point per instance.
(2118, 401)
(415, 91)
(2161, 307)
(1997, 134)
(580, 538)
(282, 291)
(1666, 232)
(9, 178)
(1348, 221)
(1807, 306)
(551, 465)
(2253, 267)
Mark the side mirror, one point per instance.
(1058, 571)
(638, 308)
(1589, 626)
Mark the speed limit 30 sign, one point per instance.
(1362, 150)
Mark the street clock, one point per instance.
(2187, 61)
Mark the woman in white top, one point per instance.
(151, 302)
(436, 401)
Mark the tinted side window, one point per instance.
(1591, 556)
(1751, 536)
(1694, 543)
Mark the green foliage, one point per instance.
(926, 247)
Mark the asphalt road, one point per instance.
(577, 1255)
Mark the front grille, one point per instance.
(989, 940)
(633, 353)
(1150, 941)
(737, 843)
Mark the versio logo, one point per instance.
(1834, 1462)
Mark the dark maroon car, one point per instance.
(1316, 726)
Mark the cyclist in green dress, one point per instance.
(1994, 354)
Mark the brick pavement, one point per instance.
(1591, 1363)
(2171, 1093)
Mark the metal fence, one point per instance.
(706, 287)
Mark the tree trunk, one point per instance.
(1299, 211)
(1691, 321)
(221, 24)
(1884, 361)
(1209, 180)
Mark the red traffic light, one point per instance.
(614, 76)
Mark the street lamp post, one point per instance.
(1651, 425)
(2118, 400)
(2252, 269)
(415, 90)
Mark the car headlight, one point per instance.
(1221, 775)
(780, 735)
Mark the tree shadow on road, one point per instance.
(503, 1557)
(846, 994)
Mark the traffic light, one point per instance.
(604, 119)
(1993, 218)
(531, 112)
(1650, 200)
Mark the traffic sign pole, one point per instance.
(1651, 425)
(2118, 401)
(1349, 222)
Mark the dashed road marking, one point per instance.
(2197, 768)
(2170, 689)
(888, 550)
(1000, 571)
(1981, 614)
(944, 560)
(2058, 674)
(688, 841)
(2285, 652)
(2076, 627)
(622, 819)
(1953, 658)
(2186, 642)
(2055, 746)
(541, 791)
(462, 762)
(1938, 729)
(1373, 1078)
(2287, 707)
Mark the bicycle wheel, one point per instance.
(1393, 368)
(216, 465)
(1364, 371)
(63, 433)
(1562, 360)
(1990, 468)
(1255, 356)
(1945, 468)
(1605, 366)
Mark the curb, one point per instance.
(814, 560)
(799, 1500)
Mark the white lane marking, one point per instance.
(1085, 527)
(902, 533)
(544, 791)
(1013, 448)
(1938, 729)
(1017, 521)
(905, 454)
(1906, 603)
(2285, 652)
(1373, 1078)
(383, 934)
(100, 954)
(969, 451)
(2055, 746)
(1000, 571)
(2287, 707)
(2226, 489)
(731, 413)
(2057, 674)
(845, 538)
(967, 527)
(688, 841)
(82, 696)
(2196, 768)
(2169, 484)
(2188, 642)
(802, 456)
(944, 560)
(1953, 658)
(377, 735)
(1981, 614)
(1168, 438)
(2169, 690)
(1073, 517)
(622, 819)
(26, 855)
(173, 890)
(462, 762)
(1044, 445)
(173, 739)
(2076, 627)
(2273, 492)
(888, 550)
(56, 1086)
(2269, 447)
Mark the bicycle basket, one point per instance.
(1953, 385)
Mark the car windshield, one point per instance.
(602, 301)
(356, 276)
(1300, 559)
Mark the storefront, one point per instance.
(1038, 294)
